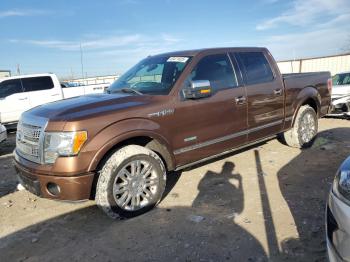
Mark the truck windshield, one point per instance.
(153, 75)
(341, 79)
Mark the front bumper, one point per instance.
(338, 229)
(72, 188)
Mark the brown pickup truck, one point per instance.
(168, 112)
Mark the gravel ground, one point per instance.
(263, 203)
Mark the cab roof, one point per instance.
(195, 52)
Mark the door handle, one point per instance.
(277, 92)
(24, 98)
(55, 95)
(240, 100)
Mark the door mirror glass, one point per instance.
(197, 89)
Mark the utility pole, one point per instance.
(18, 69)
(81, 61)
(71, 73)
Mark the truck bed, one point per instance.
(294, 83)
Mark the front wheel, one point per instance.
(131, 182)
(304, 129)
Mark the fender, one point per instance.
(307, 93)
(118, 132)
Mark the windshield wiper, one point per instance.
(131, 90)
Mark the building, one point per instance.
(335, 64)
(5, 73)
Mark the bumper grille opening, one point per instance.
(332, 225)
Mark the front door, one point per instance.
(209, 126)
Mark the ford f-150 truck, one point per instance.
(168, 112)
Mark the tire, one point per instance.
(304, 129)
(346, 108)
(131, 182)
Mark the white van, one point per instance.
(20, 93)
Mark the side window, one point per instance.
(37, 83)
(217, 69)
(10, 87)
(257, 68)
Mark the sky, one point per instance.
(112, 35)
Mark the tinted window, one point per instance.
(9, 87)
(37, 83)
(217, 69)
(257, 68)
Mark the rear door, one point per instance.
(94, 89)
(13, 101)
(41, 90)
(209, 126)
(73, 91)
(264, 94)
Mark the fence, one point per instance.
(335, 64)
(95, 80)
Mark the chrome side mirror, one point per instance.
(197, 89)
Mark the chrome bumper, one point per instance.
(338, 229)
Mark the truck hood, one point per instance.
(87, 106)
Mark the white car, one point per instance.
(341, 93)
(20, 93)
(3, 133)
(338, 216)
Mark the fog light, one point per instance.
(53, 189)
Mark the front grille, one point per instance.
(31, 133)
(28, 141)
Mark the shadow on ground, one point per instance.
(179, 233)
(203, 232)
(8, 180)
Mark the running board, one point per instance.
(225, 153)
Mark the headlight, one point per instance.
(341, 185)
(62, 144)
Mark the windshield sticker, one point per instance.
(177, 59)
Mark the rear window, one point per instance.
(10, 87)
(257, 68)
(37, 83)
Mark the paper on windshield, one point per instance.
(177, 59)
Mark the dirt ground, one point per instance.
(263, 203)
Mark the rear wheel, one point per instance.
(304, 129)
(131, 182)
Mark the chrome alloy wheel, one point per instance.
(135, 185)
(308, 127)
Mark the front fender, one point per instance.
(118, 132)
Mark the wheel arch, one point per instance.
(307, 96)
(145, 138)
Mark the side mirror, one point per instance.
(197, 89)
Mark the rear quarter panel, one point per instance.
(301, 87)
